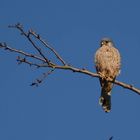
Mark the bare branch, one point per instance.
(6, 47)
(27, 35)
(43, 60)
(41, 79)
(84, 71)
(48, 46)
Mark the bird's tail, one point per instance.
(105, 100)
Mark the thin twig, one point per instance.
(27, 35)
(42, 78)
(48, 46)
(6, 47)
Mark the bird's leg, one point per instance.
(108, 78)
(102, 75)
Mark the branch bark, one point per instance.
(44, 61)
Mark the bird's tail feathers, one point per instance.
(105, 100)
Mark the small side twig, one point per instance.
(48, 46)
(6, 47)
(27, 35)
(41, 79)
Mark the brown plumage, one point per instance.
(107, 62)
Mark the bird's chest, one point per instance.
(107, 56)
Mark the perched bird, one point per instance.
(107, 63)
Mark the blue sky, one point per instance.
(65, 106)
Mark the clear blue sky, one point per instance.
(65, 106)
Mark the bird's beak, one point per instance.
(103, 43)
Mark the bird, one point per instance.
(107, 63)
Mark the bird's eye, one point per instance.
(104, 42)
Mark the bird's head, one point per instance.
(106, 41)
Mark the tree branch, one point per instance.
(43, 60)
(37, 36)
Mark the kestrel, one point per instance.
(107, 62)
